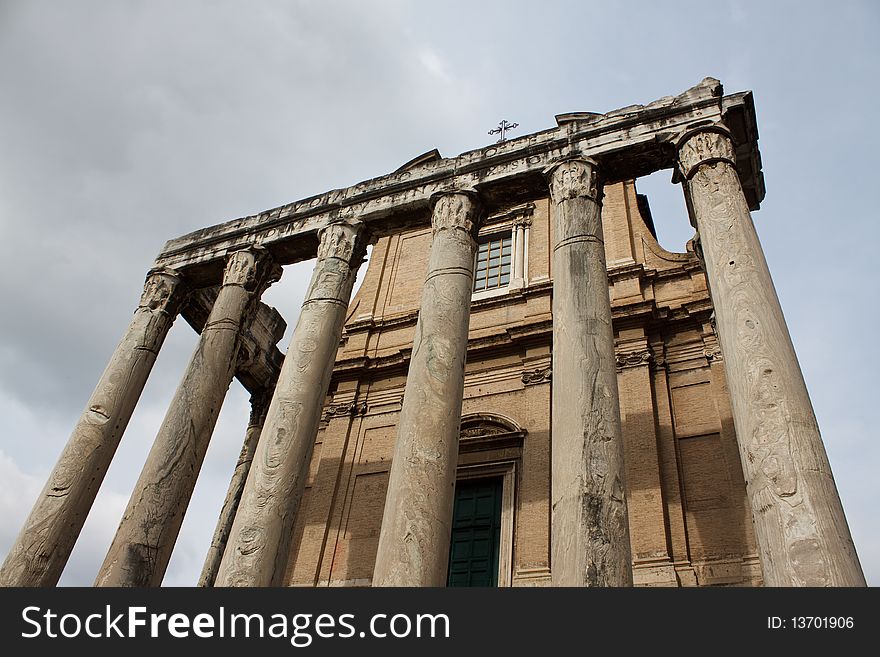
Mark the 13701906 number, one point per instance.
(821, 622)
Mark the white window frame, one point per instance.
(517, 224)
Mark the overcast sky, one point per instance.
(124, 124)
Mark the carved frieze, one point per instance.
(574, 178)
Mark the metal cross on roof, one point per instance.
(502, 129)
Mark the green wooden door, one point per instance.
(476, 533)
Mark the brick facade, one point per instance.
(689, 517)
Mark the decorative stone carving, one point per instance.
(658, 355)
(160, 291)
(713, 353)
(340, 410)
(633, 358)
(635, 138)
(252, 268)
(342, 239)
(539, 375)
(572, 178)
(704, 145)
(481, 430)
(457, 210)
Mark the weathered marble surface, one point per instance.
(800, 526)
(148, 531)
(590, 534)
(629, 142)
(259, 359)
(43, 547)
(257, 549)
(259, 406)
(417, 521)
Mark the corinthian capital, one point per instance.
(456, 210)
(704, 145)
(343, 239)
(162, 290)
(252, 268)
(573, 178)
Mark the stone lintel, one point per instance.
(628, 143)
(260, 360)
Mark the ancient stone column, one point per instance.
(589, 533)
(257, 550)
(41, 550)
(802, 534)
(259, 406)
(146, 535)
(417, 521)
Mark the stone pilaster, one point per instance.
(589, 534)
(520, 231)
(802, 534)
(146, 535)
(259, 406)
(417, 521)
(43, 547)
(257, 550)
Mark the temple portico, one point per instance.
(598, 339)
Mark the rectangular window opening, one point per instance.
(493, 265)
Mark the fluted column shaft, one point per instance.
(148, 531)
(43, 547)
(257, 550)
(589, 534)
(417, 521)
(802, 534)
(259, 406)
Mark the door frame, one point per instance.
(507, 471)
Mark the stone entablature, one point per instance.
(627, 143)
